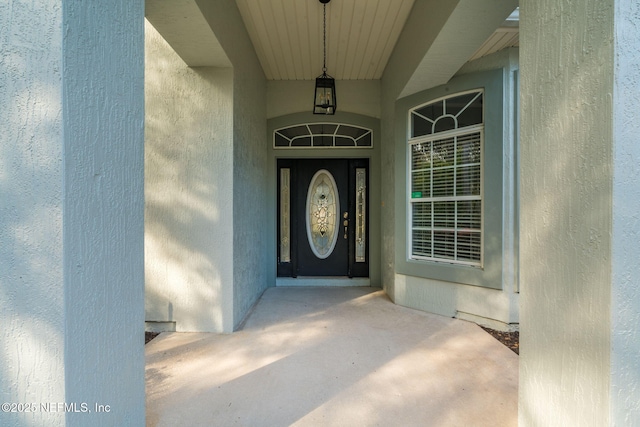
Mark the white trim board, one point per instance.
(323, 281)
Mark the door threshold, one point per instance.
(326, 281)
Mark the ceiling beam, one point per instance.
(467, 27)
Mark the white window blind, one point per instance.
(445, 195)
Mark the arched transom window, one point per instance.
(445, 183)
(323, 135)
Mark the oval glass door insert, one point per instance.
(322, 213)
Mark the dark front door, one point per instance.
(322, 226)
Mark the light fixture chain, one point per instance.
(324, 37)
(324, 98)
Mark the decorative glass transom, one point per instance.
(447, 114)
(445, 188)
(322, 211)
(323, 135)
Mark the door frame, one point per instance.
(376, 205)
(297, 220)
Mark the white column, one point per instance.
(580, 220)
(625, 289)
(72, 212)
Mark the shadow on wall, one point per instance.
(31, 275)
(188, 189)
(565, 222)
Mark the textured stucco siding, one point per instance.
(189, 191)
(404, 59)
(249, 157)
(249, 173)
(250, 195)
(424, 25)
(625, 339)
(566, 61)
(103, 231)
(71, 262)
(206, 177)
(31, 176)
(488, 307)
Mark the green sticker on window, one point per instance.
(416, 194)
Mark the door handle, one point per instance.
(345, 223)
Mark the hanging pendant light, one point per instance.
(324, 99)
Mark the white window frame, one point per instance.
(453, 133)
(340, 127)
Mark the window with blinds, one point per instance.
(445, 194)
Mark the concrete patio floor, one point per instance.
(333, 357)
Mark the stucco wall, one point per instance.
(188, 191)
(567, 68)
(249, 156)
(387, 188)
(508, 60)
(72, 211)
(424, 25)
(31, 176)
(296, 96)
(206, 175)
(249, 195)
(625, 339)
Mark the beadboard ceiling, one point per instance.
(361, 34)
(287, 36)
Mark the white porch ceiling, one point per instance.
(361, 35)
(287, 36)
(508, 35)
